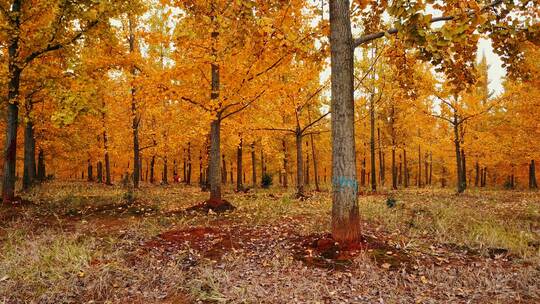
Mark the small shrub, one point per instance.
(266, 181)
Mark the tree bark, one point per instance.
(307, 177)
(164, 176)
(285, 164)
(188, 178)
(134, 111)
(381, 158)
(223, 170)
(315, 165)
(10, 150)
(484, 176)
(214, 168)
(477, 174)
(239, 167)
(459, 165)
(464, 169)
(405, 169)
(253, 166)
(372, 143)
(394, 169)
(393, 133)
(532, 175)
(184, 168)
(100, 172)
(90, 171)
(299, 165)
(345, 213)
(201, 175)
(41, 172)
(108, 181)
(152, 169)
(29, 174)
(419, 176)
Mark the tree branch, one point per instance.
(314, 122)
(368, 38)
(275, 129)
(57, 46)
(195, 103)
(244, 106)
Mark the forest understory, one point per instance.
(71, 242)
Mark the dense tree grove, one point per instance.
(351, 96)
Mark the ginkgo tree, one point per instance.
(240, 63)
(450, 47)
(48, 27)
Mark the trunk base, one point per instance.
(323, 251)
(17, 201)
(214, 205)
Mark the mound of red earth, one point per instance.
(217, 206)
(324, 252)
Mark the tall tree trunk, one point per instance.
(14, 73)
(285, 164)
(315, 165)
(394, 168)
(134, 110)
(400, 175)
(393, 134)
(299, 165)
(430, 167)
(363, 173)
(464, 169)
(164, 176)
(484, 182)
(189, 164)
(405, 169)
(253, 166)
(184, 168)
(262, 160)
(223, 169)
(100, 172)
(29, 174)
(239, 166)
(477, 174)
(306, 179)
(459, 166)
(231, 172)
(147, 170)
(419, 176)
(41, 172)
(443, 176)
(373, 170)
(381, 158)
(532, 175)
(108, 181)
(426, 169)
(90, 171)
(201, 175)
(345, 213)
(152, 169)
(214, 174)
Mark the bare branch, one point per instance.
(244, 106)
(275, 129)
(196, 103)
(361, 80)
(314, 122)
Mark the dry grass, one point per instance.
(83, 243)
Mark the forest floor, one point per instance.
(81, 243)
